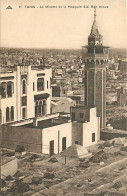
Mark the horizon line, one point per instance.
(55, 48)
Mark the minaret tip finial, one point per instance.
(95, 13)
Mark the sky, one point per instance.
(61, 27)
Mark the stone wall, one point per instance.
(107, 135)
(30, 138)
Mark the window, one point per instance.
(40, 108)
(7, 114)
(93, 137)
(40, 84)
(12, 113)
(63, 143)
(33, 86)
(3, 90)
(24, 87)
(97, 62)
(47, 84)
(76, 142)
(43, 109)
(81, 115)
(24, 101)
(23, 113)
(102, 61)
(9, 89)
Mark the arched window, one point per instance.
(97, 62)
(24, 87)
(7, 114)
(92, 61)
(12, 113)
(102, 61)
(40, 106)
(44, 107)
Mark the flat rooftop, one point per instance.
(82, 106)
(48, 122)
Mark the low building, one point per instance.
(122, 66)
(111, 95)
(76, 98)
(59, 90)
(52, 134)
(49, 135)
(56, 90)
(122, 96)
(62, 104)
(85, 126)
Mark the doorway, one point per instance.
(51, 147)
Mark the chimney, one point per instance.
(35, 122)
(42, 62)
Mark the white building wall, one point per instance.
(49, 105)
(18, 93)
(88, 129)
(82, 131)
(31, 77)
(51, 133)
(91, 127)
(16, 99)
(8, 101)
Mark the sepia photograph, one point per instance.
(63, 97)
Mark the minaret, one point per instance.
(96, 60)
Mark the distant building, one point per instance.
(25, 92)
(76, 98)
(96, 60)
(114, 66)
(62, 104)
(59, 90)
(56, 90)
(122, 96)
(85, 126)
(122, 65)
(111, 95)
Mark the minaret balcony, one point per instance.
(96, 63)
(96, 56)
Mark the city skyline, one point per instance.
(61, 28)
